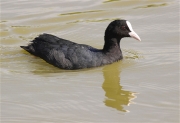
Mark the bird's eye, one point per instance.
(123, 27)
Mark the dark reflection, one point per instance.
(116, 97)
(81, 12)
(107, 1)
(152, 5)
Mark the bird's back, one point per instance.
(63, 53)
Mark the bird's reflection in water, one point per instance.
(116, 97)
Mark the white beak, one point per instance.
(134, 35)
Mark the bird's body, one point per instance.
(69, 55)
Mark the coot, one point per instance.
(69, 55)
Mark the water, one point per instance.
(143, 87)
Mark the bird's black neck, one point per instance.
(112, 45)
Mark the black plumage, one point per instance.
(69, 55)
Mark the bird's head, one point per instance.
(120, 29)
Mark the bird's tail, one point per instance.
(25, 48)
(29, 49)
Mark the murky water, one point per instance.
(143, 87)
